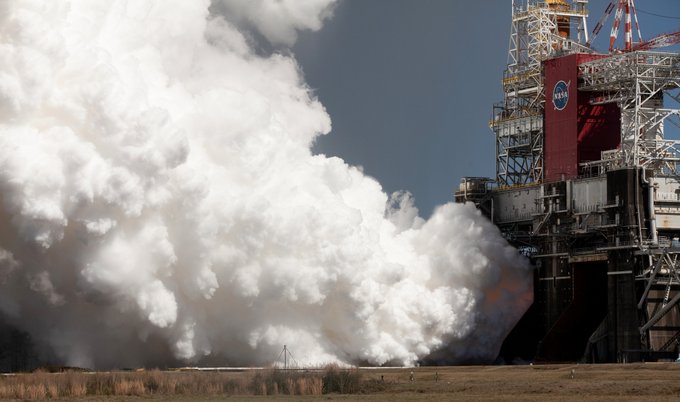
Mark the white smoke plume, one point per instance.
(159, 203)
(279, 20)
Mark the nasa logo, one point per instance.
(561, 95)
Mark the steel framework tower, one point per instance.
(540, 30)
(589, 185)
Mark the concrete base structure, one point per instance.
(605, 279)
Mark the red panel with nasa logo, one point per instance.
(575, 130)
(560, 143)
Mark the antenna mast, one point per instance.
(286, 354)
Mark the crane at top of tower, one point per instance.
(627, 7)
(621, 6)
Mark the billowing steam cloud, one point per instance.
(160, 203)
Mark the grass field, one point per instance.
(630, 382)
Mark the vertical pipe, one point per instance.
(628, 29)
(637, 203)
(650, 208)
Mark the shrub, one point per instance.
(343, 381)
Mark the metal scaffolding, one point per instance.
(637, 82)
(539, 30)
(661, 328)
(604, 238)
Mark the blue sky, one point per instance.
(410, 84)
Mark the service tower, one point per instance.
(588, 186)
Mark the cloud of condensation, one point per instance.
(159, 203)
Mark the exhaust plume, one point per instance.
(159, 203)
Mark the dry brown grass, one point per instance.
(631, 382)
(74, 384)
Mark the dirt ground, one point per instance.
(611, 382)
(634, 382)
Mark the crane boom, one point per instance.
(601, 22)
(637, 25)
(627, 7)
(660, 41)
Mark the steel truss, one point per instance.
(663, 274)
(518, 120)
(637, 83)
